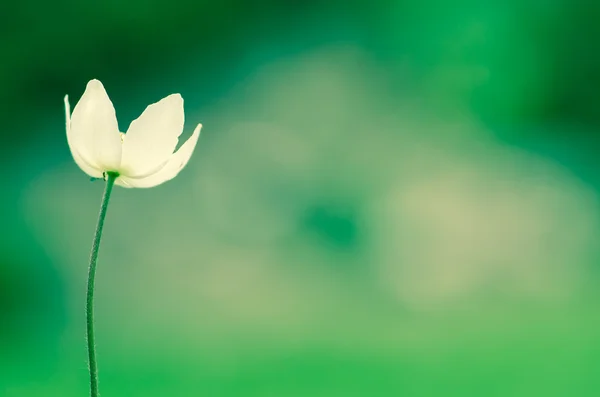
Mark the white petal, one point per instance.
(94, 129)
(85, 166)
(152, 138)
(171, 168)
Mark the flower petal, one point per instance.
(152, 138)
(85, 166)
(94, 130)
(170, 169)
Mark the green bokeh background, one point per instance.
(388, 198)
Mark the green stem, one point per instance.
(110, 181)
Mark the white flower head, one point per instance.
(144, 156)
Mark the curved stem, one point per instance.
(110, 181)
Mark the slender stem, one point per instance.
(110, 181)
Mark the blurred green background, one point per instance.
(388, 198)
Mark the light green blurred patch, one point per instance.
(330, 239)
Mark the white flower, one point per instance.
(144, 156)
